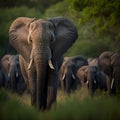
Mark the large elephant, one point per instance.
(41, 45)
(67, 73)
(109, 62)
(92, 78)
(12, 73)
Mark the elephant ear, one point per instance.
(115, 59)
(65, 33)
(18, 34)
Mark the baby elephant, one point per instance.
(92, 77)
(12, 75)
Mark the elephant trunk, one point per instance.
(91, 78)
(13, 79)
(41, 61)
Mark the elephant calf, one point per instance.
(92, 77)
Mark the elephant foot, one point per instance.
(33, 100)
(51, 96)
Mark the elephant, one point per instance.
(41, 44)
(12, 75)
(92, 78)
(109, 63)
(67, 73)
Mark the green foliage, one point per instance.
(75, 107)
(88, 48)
(37, 4)
(14, 3)
(59, 9)
(12, 109)
(62, 8)
(104, 14)
(97, 22)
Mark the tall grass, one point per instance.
(79, 105)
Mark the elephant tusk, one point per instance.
(73, 76)
(87, 82)
(50, 64)
(30, 64)
(16, 74)
(63, 77)
(31, 60)
(94, 81)
(9, 75)
(29, 37)
(112, 83)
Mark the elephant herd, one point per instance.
(40, 66)
(101, 73)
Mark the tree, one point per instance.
(103, 13)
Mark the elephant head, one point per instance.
(92, 77)
(41, 44)
(68, 78)
(82, 75)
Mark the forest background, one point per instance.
(97, 22)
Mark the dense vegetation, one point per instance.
(97, 21)
(75, 107)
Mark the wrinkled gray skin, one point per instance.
(92, 77)
(109, 62)
(67, 73)
(41, 44)
(12, 74)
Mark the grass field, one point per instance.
(79, 105)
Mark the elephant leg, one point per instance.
(7, 82)
(13, 84)
(68, 85)
(62, 85)
(32, 85)
(52, 88)
(108, 84)
(13, 80)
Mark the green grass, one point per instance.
(78, 105)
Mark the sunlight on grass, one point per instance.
(78, 105)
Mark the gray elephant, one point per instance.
(67, 73)
(41, 45)
(109, 62)
(92, 78)
(12, 74)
